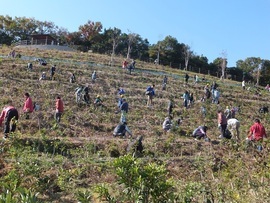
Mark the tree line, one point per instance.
(114, 42)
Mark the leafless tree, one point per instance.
(258, 71)
(223, 64)
(131, 39)
(187, 55)
(115, 38)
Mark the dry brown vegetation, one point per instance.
(58, 162)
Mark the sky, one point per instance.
(236, 29)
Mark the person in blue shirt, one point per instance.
(150, 91)
(124, 106)
(120, 101)
(121, 91)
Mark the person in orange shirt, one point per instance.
(10, 117)
(59, 109)
(28, 106)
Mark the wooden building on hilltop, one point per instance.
(42, 39)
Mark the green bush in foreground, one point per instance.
(140, 182)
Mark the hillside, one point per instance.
(62, 163)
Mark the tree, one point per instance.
(187, 54)
(74, 38)
(199, 63)
(24, 27)
(114, 36)
(46, 27)
(223, 64)
(140, 49)
(20, 28)
(154, 51)
(252, 66)
(4, 38)
(131, 40)
(17, 28)
(169, 51)
(90, 30)
(61, 34)
(265, 72)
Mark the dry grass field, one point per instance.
(65, 163)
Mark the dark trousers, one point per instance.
(86, 98)
(223, 129)
(58, 116)
(11, 114)
(52, 75)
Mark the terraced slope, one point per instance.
(60, 161)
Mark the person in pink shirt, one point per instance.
(222, 123)
(256, 131)
(28, 106)
(10, 117)
(59, 109)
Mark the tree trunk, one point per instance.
(113, 53)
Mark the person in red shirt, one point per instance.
(59, 109)
(124, 64)
(10, 117)
(28, 106)
(256, 131)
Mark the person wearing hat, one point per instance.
(120, 101)
(207, 93)
(43, 76)
(227, 112)
(200, 133)
(206, 87)
(98, 101)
